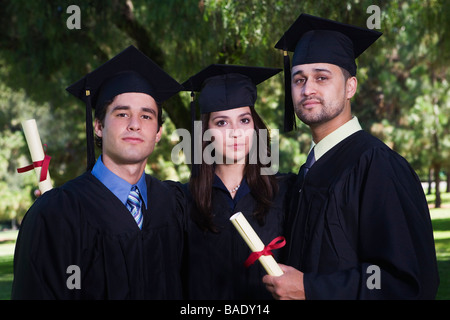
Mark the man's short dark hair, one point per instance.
(346, 74)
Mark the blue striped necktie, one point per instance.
(134, 205)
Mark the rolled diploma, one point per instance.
(37, 152)
(255, 244)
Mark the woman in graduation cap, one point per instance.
(114, 232)
(229, 179)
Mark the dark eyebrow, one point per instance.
(300, 72)
(149, 110)
(227, 117)
(220, 116)
(145, 109)
(120, 108)
(245, 114)
(322, 70)
(297, 72)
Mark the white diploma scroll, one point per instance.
(37, 152)
(255, 244)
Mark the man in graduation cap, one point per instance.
(359, 225)
(114, 232)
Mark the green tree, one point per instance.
(402, 96)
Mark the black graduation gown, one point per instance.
(82, 223)
(361, 204)
(215, 261)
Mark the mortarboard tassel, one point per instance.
(194, 167)
(289, 115)
(89, 132)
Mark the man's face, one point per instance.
(130, 129)
(319, 92)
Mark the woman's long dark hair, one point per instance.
(262, 187)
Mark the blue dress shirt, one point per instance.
(119, 187)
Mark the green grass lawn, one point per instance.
(7, 242)
(6, 276)
(441, 226)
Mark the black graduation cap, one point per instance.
(225, 87)
(129, 71)
(318, 40)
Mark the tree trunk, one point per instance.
(448, 180)
(429, 180)
(437, 182)
(125, 20)
(437, 159)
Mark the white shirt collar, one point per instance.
(335, 137)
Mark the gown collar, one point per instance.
(243, 190)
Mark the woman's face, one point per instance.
(233, 132)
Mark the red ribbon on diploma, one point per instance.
(276, 243)
(36, 164)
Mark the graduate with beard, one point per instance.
(230, 178)
(359, 225)
(114, 232)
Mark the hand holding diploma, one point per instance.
(40, 160)
(289, 286)
(260, 252)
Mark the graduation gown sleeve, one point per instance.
(46, 246)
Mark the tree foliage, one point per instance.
(403, 93)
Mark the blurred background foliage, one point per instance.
(403, 94)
